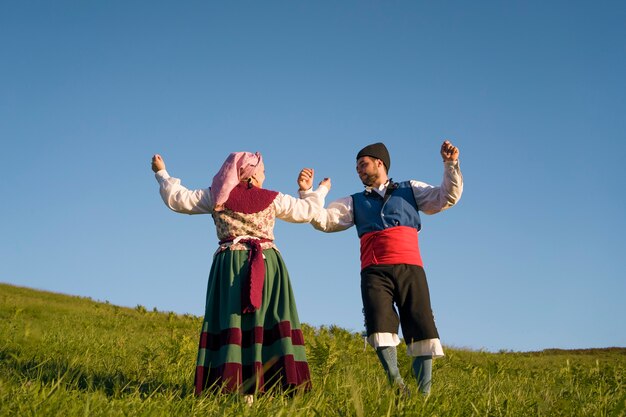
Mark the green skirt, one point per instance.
(250, 352)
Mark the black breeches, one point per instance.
(387, 287)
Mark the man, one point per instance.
(386, 216)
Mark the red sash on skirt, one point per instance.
(252, 284)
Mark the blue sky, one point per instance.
(533, 93)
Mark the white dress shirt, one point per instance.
(339, 214)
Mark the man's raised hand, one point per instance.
(449, 152)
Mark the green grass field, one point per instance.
(70, 356)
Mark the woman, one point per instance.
(251, 338)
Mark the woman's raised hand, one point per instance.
(157, 163)
(305, 179)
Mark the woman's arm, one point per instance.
(337, 216)
(176, 196)
(305, 208)
(300, 210)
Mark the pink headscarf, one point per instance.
(238, 166)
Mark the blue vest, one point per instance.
(372, 213)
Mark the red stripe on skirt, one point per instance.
(284, 372)
(257, 335)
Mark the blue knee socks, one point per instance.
(423, 370)
(389, 358)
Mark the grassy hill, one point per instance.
(68, 356)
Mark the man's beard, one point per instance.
(370, 179)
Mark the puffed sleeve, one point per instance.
(300, 210)
(336, 217)
(180, 199)
(431, 199)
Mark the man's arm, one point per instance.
(431, 199)
(449, 152)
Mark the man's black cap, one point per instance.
(378, 151)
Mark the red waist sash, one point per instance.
(396, 245)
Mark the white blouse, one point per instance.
(183, 200)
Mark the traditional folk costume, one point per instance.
(387, 222)
(251, 338)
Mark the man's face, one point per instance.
(368, 169)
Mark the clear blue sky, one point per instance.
(533, 93)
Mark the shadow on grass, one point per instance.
(76, 377)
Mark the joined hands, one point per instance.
(305, 180)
